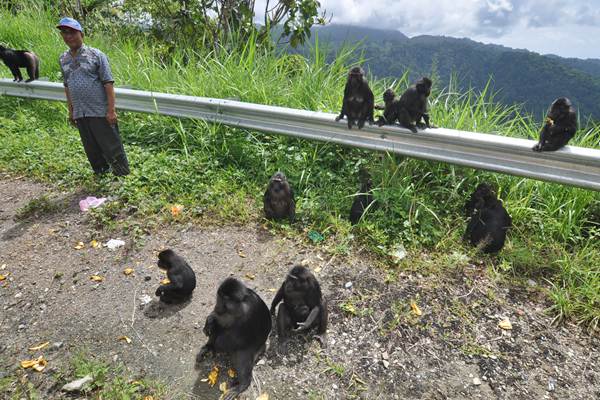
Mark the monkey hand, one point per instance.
(339, 117)
(302, 326)
(209, 325)
(537, 147)
(159, 291)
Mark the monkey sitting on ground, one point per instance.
(489, 220)
(560, 126)
(390, 110)
(278, 200)
(181, 276)
(16, 59)
(364, 200)
(239, 326)
(358, 102)
(412, 106)
(303, 307)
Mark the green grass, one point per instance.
(110, 382)
(221, 172)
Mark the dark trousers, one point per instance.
(102, 145)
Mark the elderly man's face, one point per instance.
(73, 38)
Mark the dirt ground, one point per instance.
(378, 348)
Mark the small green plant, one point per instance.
(38, 207)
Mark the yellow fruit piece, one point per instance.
(505, 324)
(79, 246)
(97, 278)
(223, 387)
(176, 209)
(125, 338)
(415, 309)
(128, 271)
(2, 277)
(38, 364)
(95, 244)
(39, 346)
(231, 373)
(250, 276)
(213, 375)
(165, 281)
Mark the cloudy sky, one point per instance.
(562, 27)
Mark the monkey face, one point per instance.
(559, 107)
(164, 259)
(424, 86)
(278, 182)
(388, 95)
(356, 77)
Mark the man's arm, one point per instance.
(70, 106)
(111, 114)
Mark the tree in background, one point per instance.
(214, 22)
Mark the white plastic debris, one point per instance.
(348, 285)
(77, 385)
(113, 244)
(91, 202)
(398, 252)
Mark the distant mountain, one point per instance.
(519, 76)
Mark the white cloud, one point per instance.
(568, 28)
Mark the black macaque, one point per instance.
(16, 59)
(489, 220)
(390, 109)
(412, 106)
(560, 126)
(303, 307)
(181, 275)
(239, 326)
(358, 102)
(279, 200)
(364, 200)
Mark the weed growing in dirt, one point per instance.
(38, 207)
(218, 173)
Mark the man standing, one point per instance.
(91, 100)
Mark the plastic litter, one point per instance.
(91, 202)
(113, 244)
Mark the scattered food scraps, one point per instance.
(79, 246)
(3, 277)
(97, 278)
(124, 338)
(39, 346)
(165, 281)
(176, 209)
(231, 373)
(250, 276)
(505, 324)
(94, 244)
(223, 387)
(213, 375)
(38, 364)
(415, 309)
(128, 271)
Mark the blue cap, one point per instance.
(70, 23)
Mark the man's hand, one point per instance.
(111, 116)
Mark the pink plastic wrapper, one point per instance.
(91, 202)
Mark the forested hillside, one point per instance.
(519, 76)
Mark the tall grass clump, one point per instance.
(222, 171)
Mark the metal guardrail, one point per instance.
(574, 166)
